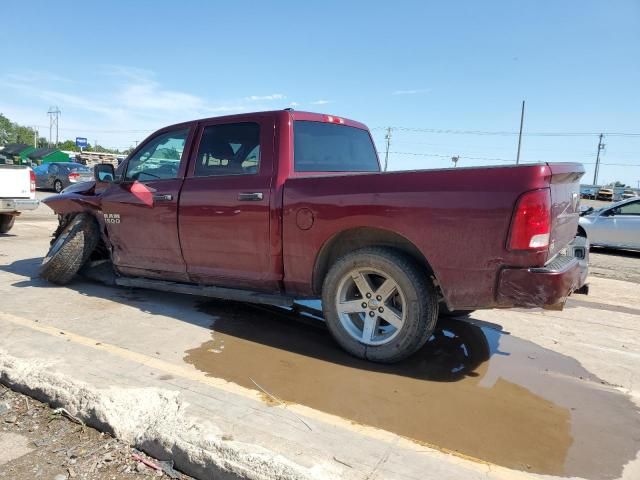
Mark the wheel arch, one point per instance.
(581, 231)
(353, 239)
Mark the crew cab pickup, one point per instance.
(275, 206)
(17, 193)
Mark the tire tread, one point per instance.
(82, 238)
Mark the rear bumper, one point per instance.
(11, 205)
(547, 286)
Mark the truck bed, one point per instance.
(458, 219)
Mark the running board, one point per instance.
(206, 291)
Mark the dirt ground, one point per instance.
(37, 441)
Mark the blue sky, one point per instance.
(119, 70)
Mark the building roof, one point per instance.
(14, 148)
(41, 153)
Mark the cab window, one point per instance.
(229, 149)
(159, 159)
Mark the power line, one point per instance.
(508, 160)
(508, 133)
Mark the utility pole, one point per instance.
(54, 113)
(600, 148)
(95, 145)
(35, 137)
(386, 153)
(520, 134)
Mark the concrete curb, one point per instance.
(154, 421)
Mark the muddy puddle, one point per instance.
(472, 389)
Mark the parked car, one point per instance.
(588, 192)
(628, 194)
(615, 226)
(17, 193)
(605, 194)
(59, 175)
(273, 206)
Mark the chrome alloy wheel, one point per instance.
(371, 306)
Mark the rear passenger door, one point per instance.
(52, 175)
(224, 212)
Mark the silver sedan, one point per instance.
(615, 226)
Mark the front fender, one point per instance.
(75, 199)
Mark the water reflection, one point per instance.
(470, 389)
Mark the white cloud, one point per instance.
(410, 92)
(257, 98)
(321, 102)
(149, 95)
(130, 103)
(293, 104)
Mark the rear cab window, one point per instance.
(327, 147)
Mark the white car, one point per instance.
(615, 226)
(17, 193)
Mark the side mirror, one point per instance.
(104, 172)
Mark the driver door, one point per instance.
(141, 208)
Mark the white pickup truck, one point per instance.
(17, 193)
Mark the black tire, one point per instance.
(6, 222)
(419, 294)
(70, 250)
(57, 186)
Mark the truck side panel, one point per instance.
(459, 219)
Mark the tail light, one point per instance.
(33, 180)
(531, 223)
(73, 177)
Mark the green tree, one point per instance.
(24, 134)
(68, 145)
(6, 129)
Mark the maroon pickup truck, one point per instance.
(275, 206)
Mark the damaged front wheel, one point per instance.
(70, 250)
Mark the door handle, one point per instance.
(162, 198)
(250, 196)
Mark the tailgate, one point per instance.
(15, 181)
(565, 204)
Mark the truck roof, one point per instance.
(293, 114)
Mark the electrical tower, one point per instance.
(600, 148)
(54, 114)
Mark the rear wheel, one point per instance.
(57, 186)
(70, 250)
(6, 222)
(379, 305)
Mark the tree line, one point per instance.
(13, 132)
